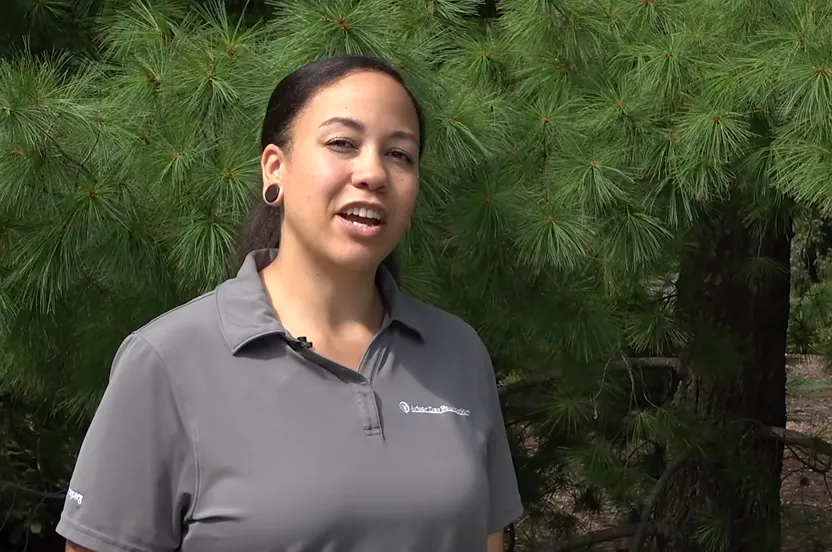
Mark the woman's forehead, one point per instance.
(364, 97)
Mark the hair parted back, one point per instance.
(261, 229)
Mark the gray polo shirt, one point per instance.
(219, 432)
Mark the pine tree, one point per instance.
(594, 172)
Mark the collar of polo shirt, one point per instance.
(246, 314)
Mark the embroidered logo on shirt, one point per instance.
(77, 497)
(408, 409)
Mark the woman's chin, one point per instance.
(355, 258)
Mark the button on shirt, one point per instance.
(219, 431)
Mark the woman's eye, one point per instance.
(340, 143)
(403, 156)
(343, 144)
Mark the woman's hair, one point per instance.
(261, 228)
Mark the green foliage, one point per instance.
(571, 146)
(713, 531)
(810, 316)
(47, 24)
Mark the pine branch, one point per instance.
(528, 383)
(80, 165)
(43, 494)
(647, 511)
(606, 535)
(638, 531)
(669, 363)
(816, 446)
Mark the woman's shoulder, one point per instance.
(187, 328)
(453, 344)
(440, 325)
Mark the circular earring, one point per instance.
(271, 194)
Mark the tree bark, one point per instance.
(736, 378)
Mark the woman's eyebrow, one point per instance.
(359, 127)
(346, 121)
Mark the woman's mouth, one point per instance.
(362, 221)
(362, 216)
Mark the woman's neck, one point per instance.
(313, 299)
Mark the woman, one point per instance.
(306, 404)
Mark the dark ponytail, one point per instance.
(261, 228)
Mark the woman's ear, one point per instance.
(271, 165)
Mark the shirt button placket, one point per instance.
(367, 403)
(367, 408)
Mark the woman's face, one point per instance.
(350, 180)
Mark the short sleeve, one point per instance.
(505, 505)
(135, 474)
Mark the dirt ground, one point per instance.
(806, 495)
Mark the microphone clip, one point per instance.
(303, 343)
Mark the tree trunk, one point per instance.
(736, 378)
